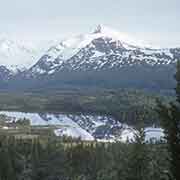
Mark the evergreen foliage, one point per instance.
(170, 118)
(52, 159)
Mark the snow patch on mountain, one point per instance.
(85, 127)
(74, 133)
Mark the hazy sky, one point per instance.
(156, 22)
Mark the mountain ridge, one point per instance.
(99, 50)
(86, 58)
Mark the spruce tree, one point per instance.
(139, 160)
(170, 119)
(177, 77)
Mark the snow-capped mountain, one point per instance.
(103, 57)
(104, 49)
(15, 56)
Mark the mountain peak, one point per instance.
(101, 29)
(98, 29)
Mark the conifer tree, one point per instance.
(139, 158)
(177, 77)
(170, 119)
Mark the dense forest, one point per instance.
(47, 157)
(119, 103)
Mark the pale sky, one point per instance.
(155, 22)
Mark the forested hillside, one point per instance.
(48, 158)
(119, 103)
